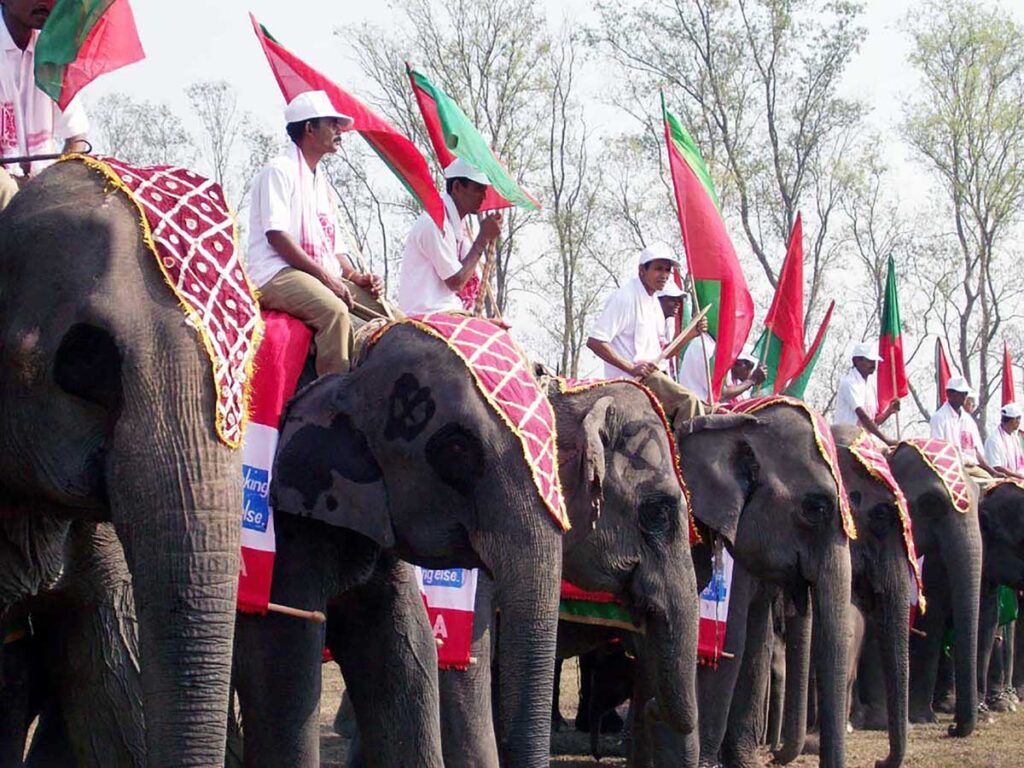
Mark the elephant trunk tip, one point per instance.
(683, 722)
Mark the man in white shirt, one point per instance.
(29, 119)
(744, 375)
(295, 255)
(439, 268)
(1003, 449)
(953, 424)
(696, 364)
(630, 333)
(856, 401)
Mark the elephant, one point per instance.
(109, 415)
(950, 542)
(401, 458)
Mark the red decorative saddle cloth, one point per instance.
(599, 608)
(502, 376)
(944, 460)
(822, 438)
(190, 230)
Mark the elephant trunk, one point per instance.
(894, 635)
(831, 648)
(963, 564)
(798, 665)
(175, 496)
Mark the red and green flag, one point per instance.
(781, 346)
(400, 154)
(892, 373)
(942, 374)
(453, 135)
(1009, 395)
(81, 40)
(714, 268)
(798, 385)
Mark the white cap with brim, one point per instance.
(656, 251)
(311, 105)
(748, 358)
(460, 169)
(867, 350)
(1011, 411)
(670, 291)
(958, 384)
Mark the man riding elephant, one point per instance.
(295, 255)
(954, 424)
(856, 402)
(30, 121)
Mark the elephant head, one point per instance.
(763, 485)
(630, 533)
(406, 451)
(107, 412)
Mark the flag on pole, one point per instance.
(717, 277)
(781, 346)
(942, 374)
(1009, 394)
(400, 155)
(81, 40)
(453, 135)
(892, 373)
(798, 385)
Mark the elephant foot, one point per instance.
(1000, 702)
(946, 705)
(610, 723)
(559, 723)
(743, 760)
(924, 717)
(963, 730)
(872, 719)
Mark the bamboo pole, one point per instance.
(317, 617)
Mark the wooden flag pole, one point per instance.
(895, 396)
(673, 346)
(317, 617)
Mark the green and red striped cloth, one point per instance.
(892, 373)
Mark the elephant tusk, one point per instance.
(315, 616)
(918, 632)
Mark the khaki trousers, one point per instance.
(300, 294)
(680, 404)
(8, 188)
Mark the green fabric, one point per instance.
(463, 139)
(1007, 606)
(687, 147)
(769, 358)
(595, 613)
(709, 294)
(891, 307)
(67, 28)
(799, 385)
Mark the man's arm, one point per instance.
(604, 351)
(729, 391)
(286, 247)
(490, 228)
(371, 282)
(889, 410)
(869, 424)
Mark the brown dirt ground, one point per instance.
(996, 745)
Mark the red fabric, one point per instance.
(786, 315)
(295, 76)
(112, 43)
(279, 363)
(711, 256)
(942, 373)
(428, 108)
(572, 592)
(944, 460)
(192, 233)
(1009, 395)
(892, 373)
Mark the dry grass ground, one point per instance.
(996, 745)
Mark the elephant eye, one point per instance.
(457, 456)
(855, 499)
(815, 510)
(658, 517)
(881, 519)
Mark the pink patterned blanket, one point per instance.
(944, 459)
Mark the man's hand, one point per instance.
(490, 229)
(643, 369)
(759, 375)
(371, 282)
(702, 326)
(894, 406)
(339, 289)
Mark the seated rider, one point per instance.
(1003, 447)
(630, 332)
(856, 401)
(30, 120)
(296, 257)
(954, 424)
(439, 268)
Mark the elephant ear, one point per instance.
(325, 468)
(591, 447)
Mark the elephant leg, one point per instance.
(871, 686)
(1017, 680)
(383, 643)
(467, 724)
(926, 648)
(857, 630)
(586, 667)
(653, 744)
(777, 681)
(746, 715)
(715, 684)
(987, 629)
(1009, 653)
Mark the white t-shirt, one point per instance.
(431, 257)
(1003, 451)
(855, 392)
(633, 324)
(289, 197)
(958, 429)
(693, 369)
(30, 121)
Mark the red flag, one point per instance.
(942, 374)
(1009, 395)
(798, 385)
(785, 320)
(400, 155)
(892, 373)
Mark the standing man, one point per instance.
(951, 423)
(295, 254)
(439, 268)
(30, 121)
(1003, 449)
(630, 332)
(857, 402)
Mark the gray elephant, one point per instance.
(405, 456)
(950, 542)
(108, 414)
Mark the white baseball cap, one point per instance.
(460, 169)
(311, 105)
(656, 251)
(1011, 411)
(670, 291)
(958, 384)
(867, 350)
